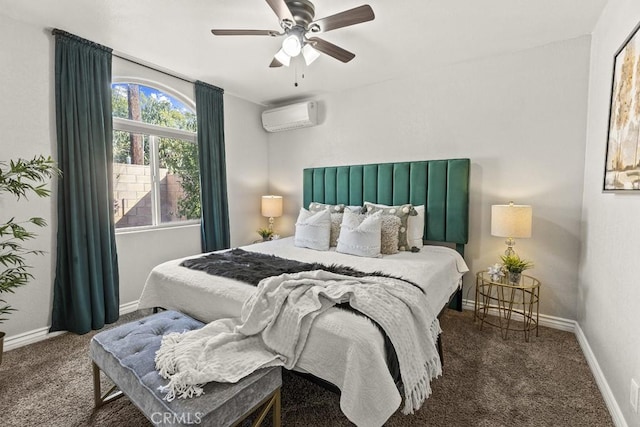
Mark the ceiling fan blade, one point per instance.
(349, 17)
(275, 63)
(331, 49)
(245, 33)
(282, 10)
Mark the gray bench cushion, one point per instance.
(126, 355)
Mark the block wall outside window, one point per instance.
(133, 206)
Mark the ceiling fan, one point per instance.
(299, 28)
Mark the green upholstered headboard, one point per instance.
(441, 185)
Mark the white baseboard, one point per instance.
(40, 334)
(573, 326)
(29, 337)
(603, 385)
(544, 319)
(129, 307)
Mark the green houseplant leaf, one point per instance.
(514, 264)
(20, 178)
(265, 233)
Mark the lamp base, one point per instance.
(271, 220)
(510, 242)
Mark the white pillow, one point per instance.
(313, 230)
(415, 228)
(360, 235)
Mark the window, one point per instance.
(155, 158)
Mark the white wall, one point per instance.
(27, 128)
(609, 290)
(27, 124)
(520, 117)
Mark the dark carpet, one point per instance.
(487, 381)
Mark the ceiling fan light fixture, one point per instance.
(283, 58)
(292, 45)
(310, 54)
(297, 20)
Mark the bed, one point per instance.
(343, 348)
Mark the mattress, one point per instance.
(343, 348)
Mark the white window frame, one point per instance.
(154, 132)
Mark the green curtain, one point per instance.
(86, 293)
(213, 175)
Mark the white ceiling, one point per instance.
(407, 37)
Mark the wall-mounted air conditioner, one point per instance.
(294, 116)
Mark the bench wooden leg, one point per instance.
(262, 410)
(272, 402)
(102, 399)
(440, 350)
(276, 410)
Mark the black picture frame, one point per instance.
(622, 158)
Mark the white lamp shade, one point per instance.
(310, 54)
(511, 220)
(271, 206)
(291, 45)
(283, 58)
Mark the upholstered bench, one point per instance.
(126, 355)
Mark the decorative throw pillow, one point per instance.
(389, 236)
(336, 222)
(402, 212)
(415, 228)
(354, 209)
(360, 235)
(317, 207)
(336, 218)
(313, 229)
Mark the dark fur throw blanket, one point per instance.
(252, 267)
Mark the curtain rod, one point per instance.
(150, 67)
(133, 61)
(121, 56)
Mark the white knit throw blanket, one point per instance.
(275, 324)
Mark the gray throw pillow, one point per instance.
(389, 236)
(317, 207)
(336, 222)
(402, 212)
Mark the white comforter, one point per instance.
(275, 325)
(342, 348)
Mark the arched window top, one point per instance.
(147, 104)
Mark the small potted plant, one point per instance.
(20, 178)
(265, 233)
(514, 267)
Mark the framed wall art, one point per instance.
(622, 164)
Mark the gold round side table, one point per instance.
(503, 300)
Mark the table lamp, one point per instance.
(271, 208)
(511, 221)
